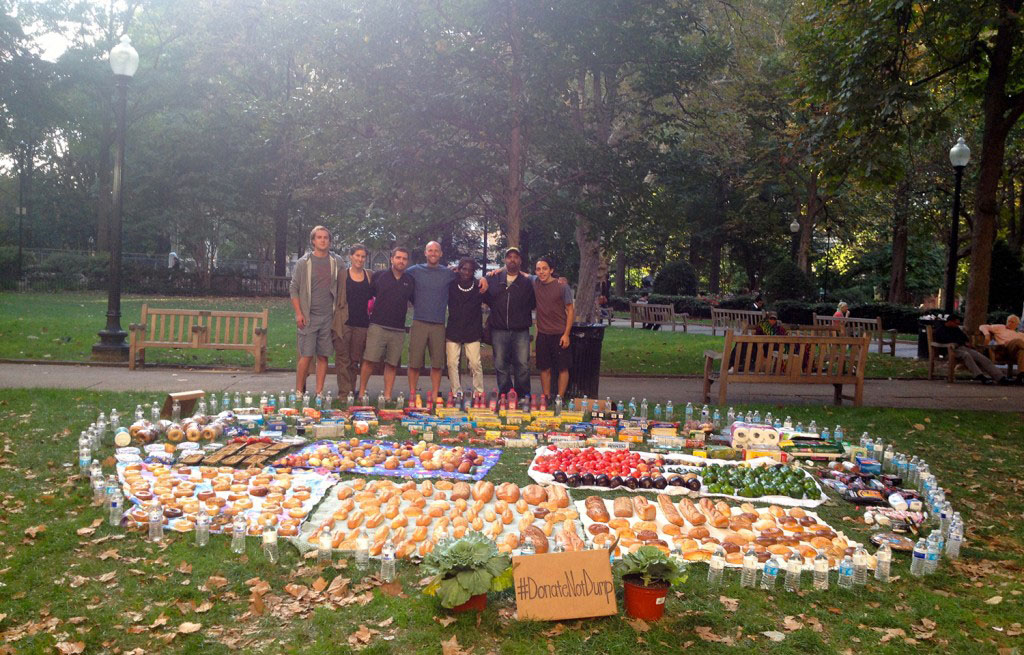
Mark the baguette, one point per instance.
(715, 517)
(558, 496)
(644, 509)
(690, 512)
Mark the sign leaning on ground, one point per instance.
(557, 586)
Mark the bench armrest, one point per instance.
(711, 354)
(137, 327)
(936, 344)
(200, 328)
(892, 331)
(259, 331)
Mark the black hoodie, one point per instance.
(511, 306)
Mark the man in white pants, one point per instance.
(465, 325)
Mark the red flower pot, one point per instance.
(476, 603)
(647, 603)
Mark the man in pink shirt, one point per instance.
(1008, 337)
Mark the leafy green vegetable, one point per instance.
(652, 565)
(466, 567)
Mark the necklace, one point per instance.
(471, 287)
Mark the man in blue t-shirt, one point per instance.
(428, 314)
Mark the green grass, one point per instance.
(52, 590)
(63, 327)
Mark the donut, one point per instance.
(292, 503)
(172, 512)
(259, 491)
(301, 495)
(287, 530)
(183, 525)
(242, 503)
(297, 513)
(205, 495)
(143, 496)
(267, 519)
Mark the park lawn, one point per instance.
(68, 578)
(63, 327)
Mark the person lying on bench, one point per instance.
(981, 367)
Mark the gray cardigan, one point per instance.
(302, 282)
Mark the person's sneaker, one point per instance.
(984, 379)
(1005, 381)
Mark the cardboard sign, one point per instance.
(187, 399)
(557, 586)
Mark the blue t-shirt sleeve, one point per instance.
(566, 294)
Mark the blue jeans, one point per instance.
(512, 360)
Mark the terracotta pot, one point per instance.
(647, 603)
(476, 603)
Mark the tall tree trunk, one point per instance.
(1015, 230)
(620, 274)
(898, 275)
(813, 206)
(514, 183)
(589, 271)
(715, 262)
(1001, 112)
(281, 205)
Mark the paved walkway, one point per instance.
(877, 393)
(907, 349)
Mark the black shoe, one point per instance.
(1004, 381)
(985, 380)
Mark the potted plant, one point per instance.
(464, 570)
(647, 573)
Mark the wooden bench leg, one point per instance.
(858, 394)
(707, 379)
(838, 399)
(723, 385)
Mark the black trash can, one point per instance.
(585, 360)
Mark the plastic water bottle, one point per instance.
(821, 571)
(318, 402)
(238, 529)
(912, 471)
(571, 407)
(748, 577)
(362, 551)
(282, 400)
(705, 414)
(156, 523)
(111, 488)
(558, 405)
(270, 543)
(526, 548)
(225, 402)
(825, 434)
(381, 401)
(202, 529)
(794, 569)
(238, 400)
(777, 424)
(323, 548)
(956, 538)
(757, 417)
(657, 412)
(887, 458)
(350, 399)
(838, 435)
(116, 509)
(860, 566)
(932, 554)
(387, 561)
(788, 423)
(918, 558)
(139, 414)
(670, 411)
(99, 488)
(770, 572)
(883, 559)
(769, 419)
(176, 412)
(305, 399)
(643, 409)
(689, 412)
(291, 398)
(400, 402)
(799, 426)
(846, 573)
(813, 427)
(730, 416)
(716, 419)
(84, 459)
(365, 400)
(715, 568)
(632, 407)
(154, 412)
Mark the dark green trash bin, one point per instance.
(585, 360)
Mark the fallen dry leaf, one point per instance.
(451, 647)
(730, 604)
(890, 634)
(159, 621)
(70, 648)
(995, 600)
(184, 568)
(362, 636)
(918, 426)
(85, 532)
(187, 628)
(320, 584)
(392, 589)
(107, 577)
(204, 607)
(107, 554)
(445, 621)
(216, 582)
(774, 635)
(790, 623)
(33, 531)
(638, 624)
(706, 634)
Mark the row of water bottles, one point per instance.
(853, 570)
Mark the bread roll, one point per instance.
(595, 509)
(622, 507)
(538, 538)
(534, 494)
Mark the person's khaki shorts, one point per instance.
(424, 336)
(383, 345)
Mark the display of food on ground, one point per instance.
(763, 479)
(282, 498)
(407, 459)
(694, 530)
(416, 516)
(242, 452)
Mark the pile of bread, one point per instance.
(695, 530)
(415, 517)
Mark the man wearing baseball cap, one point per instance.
(511, 299)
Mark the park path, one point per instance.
(922, 394)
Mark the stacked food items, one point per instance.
(415, 517)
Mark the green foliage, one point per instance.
(1006, 287)
(76, 263)
(743, 301)
(785, 281)
(466, 567)
(651, 565)
(676, 278)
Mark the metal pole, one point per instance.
(954, 230)
(22, 153)
(112, 346)
(485, 244)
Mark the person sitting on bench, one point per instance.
(980, 367)
(1009, 338)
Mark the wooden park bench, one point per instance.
(854, 327)
(199, 329)
(761, 359)
(645, 313)
(946, 352)
(735, 319)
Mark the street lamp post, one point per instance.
(124, 61)
(959, 155)
(794, 229)
(22, 163)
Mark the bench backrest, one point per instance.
(184, 326)
(650, 313)
(737, 317)
(787, 358)
(802, 330)
(853, 327)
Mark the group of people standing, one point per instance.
(360, 317)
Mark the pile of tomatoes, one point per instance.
(590, 460)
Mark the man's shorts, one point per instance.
(423, 336)
(551, 356)
(383, 345)
(315, 339)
